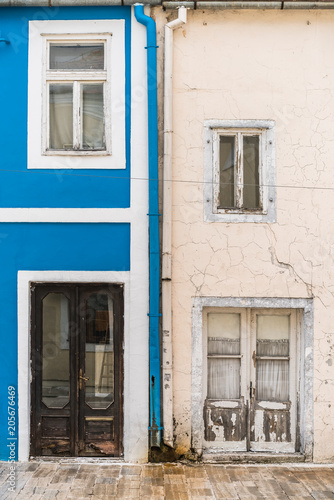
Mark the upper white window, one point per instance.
(76, 94)
(239, 171)
(77, 88)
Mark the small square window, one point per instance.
(239, 171)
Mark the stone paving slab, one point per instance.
(175, 481)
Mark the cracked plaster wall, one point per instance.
(272, 65)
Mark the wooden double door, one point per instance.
(77, 369)
(251, 380)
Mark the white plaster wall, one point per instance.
(270, 65)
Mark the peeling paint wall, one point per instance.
(269, 65)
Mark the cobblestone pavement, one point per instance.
(48, 480)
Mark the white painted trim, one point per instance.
(89, 215)
(38, 33)
(212, 130)
(136, 406)
(24, 279)
(305, 361)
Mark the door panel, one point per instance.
(251, 386)
(226, 424)
(273, 415)
(100, 363)
(225, 409)
(77, 366)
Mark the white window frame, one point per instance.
(76, 78)
(213, 130)
(41, 35)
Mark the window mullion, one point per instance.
(76, 116)
(239, 181)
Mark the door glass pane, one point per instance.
(61, 116)
(272, 335)
(55, 350)
(99, 360)
(226, 166)
(223, 339)
(77, 56)
(251, 146)
(272, 380)
(223, 378)
(223, 333)
(92, 116)
(272, 341)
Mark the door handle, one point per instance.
(254, 358)
(251, 391)
(81, 378)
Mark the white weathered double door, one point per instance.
(251, 380)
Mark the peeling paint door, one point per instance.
(225, 408)
(76, 340)
(273, 381)
(251, 386)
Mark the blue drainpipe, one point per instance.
(154, 243)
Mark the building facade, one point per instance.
(241, 96)
(74, 279)
(251, 252)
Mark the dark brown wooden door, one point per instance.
(77, 369)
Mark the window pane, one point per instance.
(272, 340)
(55, 351)
(226, 165)
(61, 116)
(223, 378)
(223, 333)
(272, 337)
(76, 56)
(92, 117)
(272, 378)
(251, 171)
(99, 362)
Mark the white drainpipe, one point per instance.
(167, 344)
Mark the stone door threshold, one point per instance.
(252, 458)
(79, 460)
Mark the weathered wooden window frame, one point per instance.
(213, 130)
(77, 78)
(239, 168)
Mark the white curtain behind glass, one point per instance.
(223, 339)
(61, 116)
(272, 374)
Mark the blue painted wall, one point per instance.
(75, 247)
(20, 187)
(39, 246)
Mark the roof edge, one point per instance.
(173, 4)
